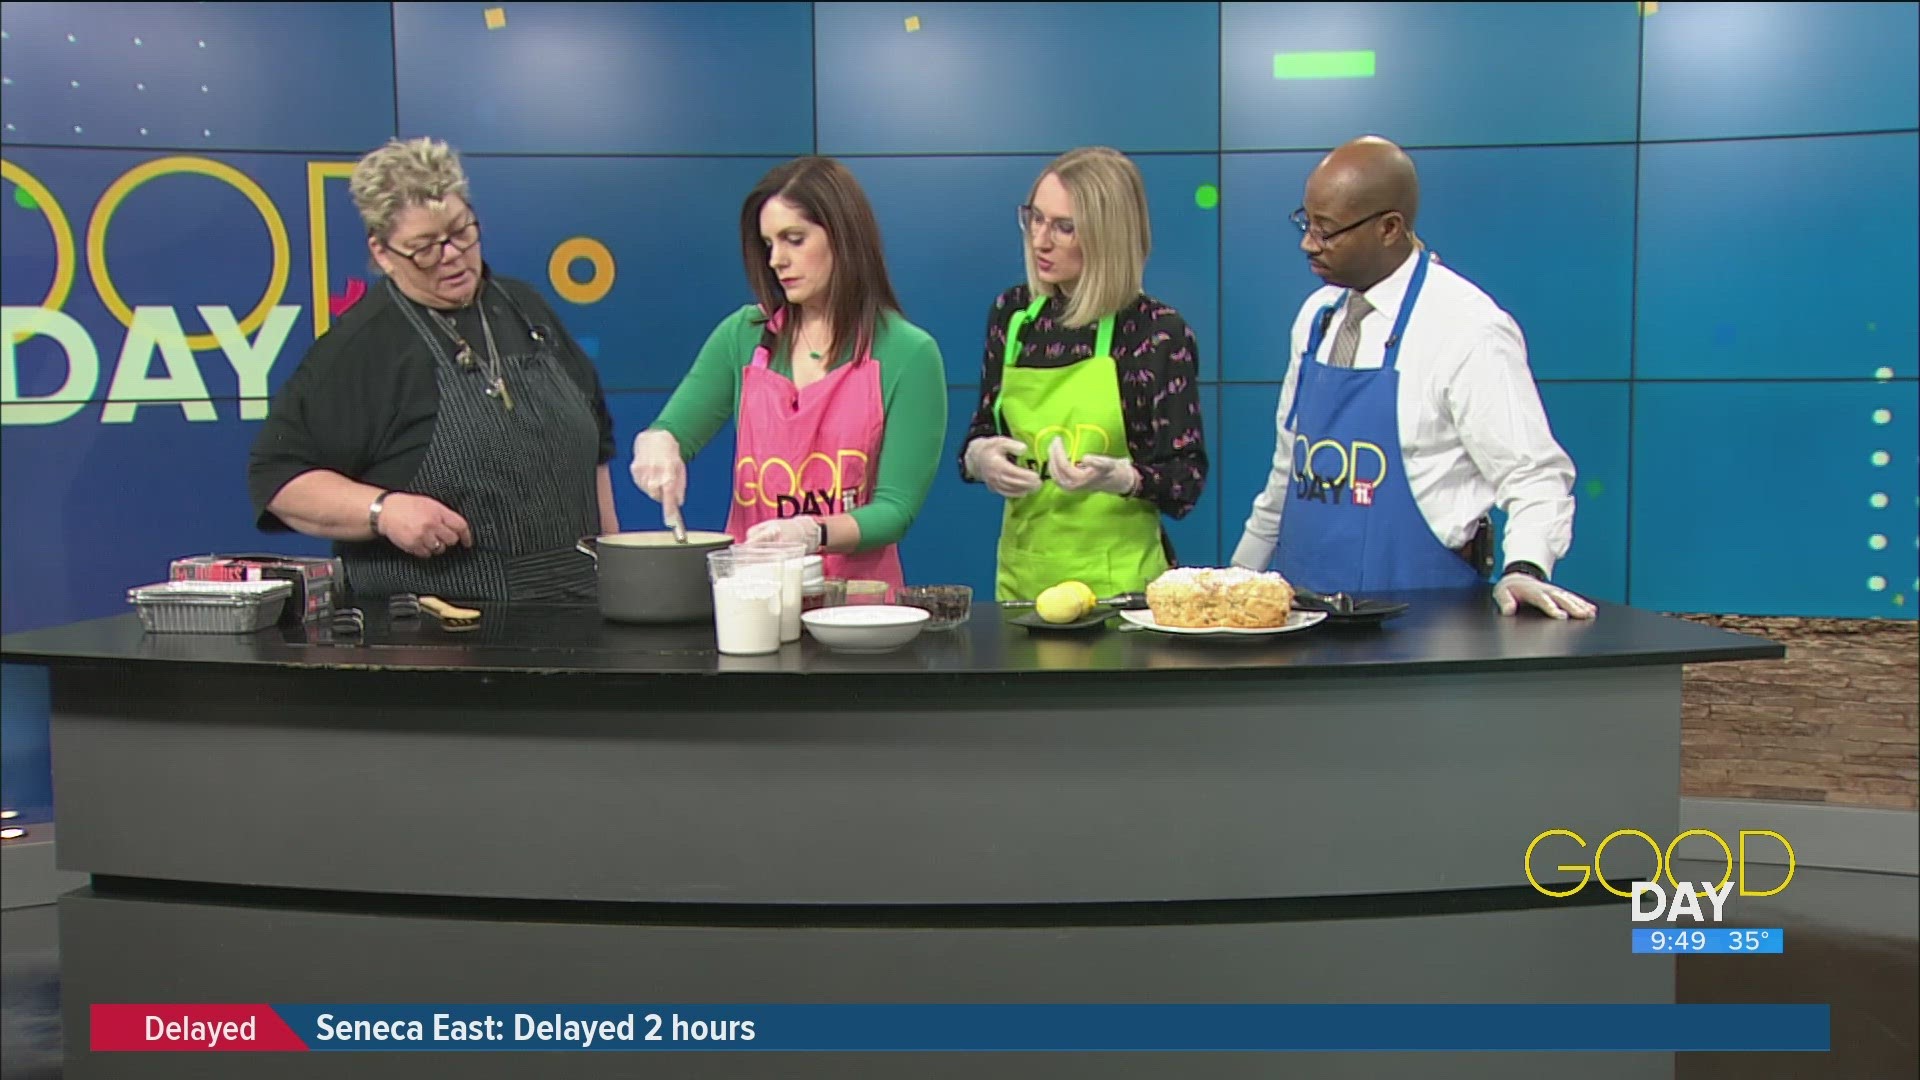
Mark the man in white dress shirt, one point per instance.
(1408, 412)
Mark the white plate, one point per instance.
(865, 627)
(1296, 620)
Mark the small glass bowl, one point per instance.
(949, 605)
(865, 591)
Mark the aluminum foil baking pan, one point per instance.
(210, 607)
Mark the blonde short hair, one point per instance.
(401, 174)
(1109, 221)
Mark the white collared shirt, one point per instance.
(1473, 434)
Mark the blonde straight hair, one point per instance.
(1109, 222)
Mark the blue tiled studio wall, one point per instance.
(1702, 215)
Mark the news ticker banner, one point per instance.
(961, 1028)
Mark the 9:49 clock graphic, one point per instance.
(1717, 941)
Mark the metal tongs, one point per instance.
(1338, 604)
(1132, 601)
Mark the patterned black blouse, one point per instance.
(1159, 366)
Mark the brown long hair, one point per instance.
(860, 290)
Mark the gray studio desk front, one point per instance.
(554, 808)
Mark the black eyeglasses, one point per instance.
(1306, 227)
(434, 252)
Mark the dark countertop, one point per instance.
(1441, 632)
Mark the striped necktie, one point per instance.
(1347, 342)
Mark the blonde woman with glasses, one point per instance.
(447, 433)
(1089, 421)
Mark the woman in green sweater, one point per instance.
(840, 403)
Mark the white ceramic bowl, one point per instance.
(865, 627)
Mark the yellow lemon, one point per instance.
(1059, 605)
(1087, 595)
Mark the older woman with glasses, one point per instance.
(447, 434)
(1089, 418)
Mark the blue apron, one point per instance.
(1352, 524)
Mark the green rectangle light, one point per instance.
(1323, 65)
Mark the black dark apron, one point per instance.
(526, 481)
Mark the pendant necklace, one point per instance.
(496, 377)
(806, 343)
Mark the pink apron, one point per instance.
(812, 452)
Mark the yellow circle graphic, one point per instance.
(560, 266)
(241, 182)
(63, 253)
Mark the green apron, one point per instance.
(1110, 542)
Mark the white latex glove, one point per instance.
(659, 472)
(805, 531)
(1513, 590)
(1095, 472)
(990, 460)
